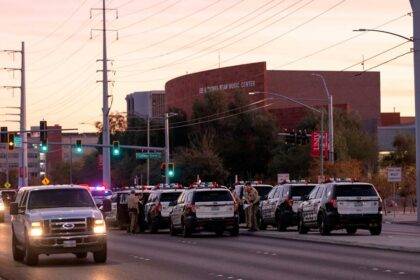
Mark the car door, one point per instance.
(274, 202)
(177, 210)
(20, 218)
(307, 206)
(317, 202)
(265, 205)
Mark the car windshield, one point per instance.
(354, 190)
(301, 190)
(59, 198)
(210, 196)
(263, 190)
(169, 196)
(98, 193)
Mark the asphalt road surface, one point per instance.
(205, 256)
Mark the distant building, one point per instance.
(87, 138)
(146, 104)
(392, 124)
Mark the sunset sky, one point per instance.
(160, 40)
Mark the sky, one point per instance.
(161, 39)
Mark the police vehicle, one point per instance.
(204, 209)
(281, 206)
(159, 206)
(342, 205)
(122, 215)
(239, 192)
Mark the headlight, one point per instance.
(36, 229)
(99, 227)
(2, 207)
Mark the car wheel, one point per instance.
(351, 230)
(235, 230)
(100, 256)
(375, 230)
(81, 255)
(172, 229)
(302, 229)
(324, 228)
(154, 226)
(261, 224)
(18, 255)
(219, 231)
(280, 223)
(31, 257)
(186, 232)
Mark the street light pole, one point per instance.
(148, 145)
(415, 5)
(166, 147)
(330, 118)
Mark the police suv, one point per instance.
(56, 220)
(342, 205)
(281, 206)
(159, 206)
(204, 209)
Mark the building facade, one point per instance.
(71, 138)
(146, 104)
(351, 92)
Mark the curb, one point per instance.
(337, 242)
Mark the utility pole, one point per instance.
(148, 146)
(415, 5)
(23, 152)
(166, 147)
(106, 156)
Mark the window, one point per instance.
(320, 192)
(181, 198)
(22, 203)
(300, 191)
(58, 198)
(170, 196)
(312, 195)
(263, 190)
(272, 193)
(355, 190)
(211, 196)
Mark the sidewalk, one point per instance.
(401, 218)
(397, 237)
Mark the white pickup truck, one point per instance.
(56, 220)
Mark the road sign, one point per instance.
(283, 177)
(45, 181)
(17, 140)
(394, 174)
(7, 185)
(148, 155)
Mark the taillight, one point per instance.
(333, 203)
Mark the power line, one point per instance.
(376, 55)
(339, 43)
(383, 63)
(144, 9)
(287, 32)
(59, 26)
(150, 16)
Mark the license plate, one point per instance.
(69, 243)
(215, 208)
(358, 204)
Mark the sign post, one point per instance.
(394, 176)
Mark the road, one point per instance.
(205, 256)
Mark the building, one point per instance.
(352, 92)
(393, 124)
(70, 138)
(146, 104)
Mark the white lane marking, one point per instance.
(265, 253)
(375, 269)
(230, 277)
(401, 272)
(220, 275)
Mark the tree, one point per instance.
(117, 123)
(405, 151)
(292, 159)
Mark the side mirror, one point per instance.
(106, 206)
(14, 209)
(172, 203)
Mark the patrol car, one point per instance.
(282, 204)
(56, 220)
(239, 190)
(204, 209)
(122, 209)
(342, 205)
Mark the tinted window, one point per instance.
(172, 196)
(263, 190)
(60, 198)
(212, 196)
(354, 190)
(301, 190)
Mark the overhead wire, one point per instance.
(144, 9)
(383, 63)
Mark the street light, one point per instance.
(330, 118)
(416, 28)
(321, 140)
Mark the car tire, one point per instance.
(154, 226)
(172, 229)
(81, 255)
(323, 226)
(302, 229)
(219, 231)
(351, 230)
(101, 256)
(280, 223)
(31, 257)
(261, 224)
(186, 231)
(18, 255)
(234, 231)
(375, 230)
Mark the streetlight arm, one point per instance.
(294, 101)
(383, 31)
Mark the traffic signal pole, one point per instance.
(166, 147)
(23, 155)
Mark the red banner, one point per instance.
(315, 144)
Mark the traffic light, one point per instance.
(171, 169)
(3, 135)
(116, 148)
(43, 136)
(163, 169)
(11, 141)
(79, 148)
